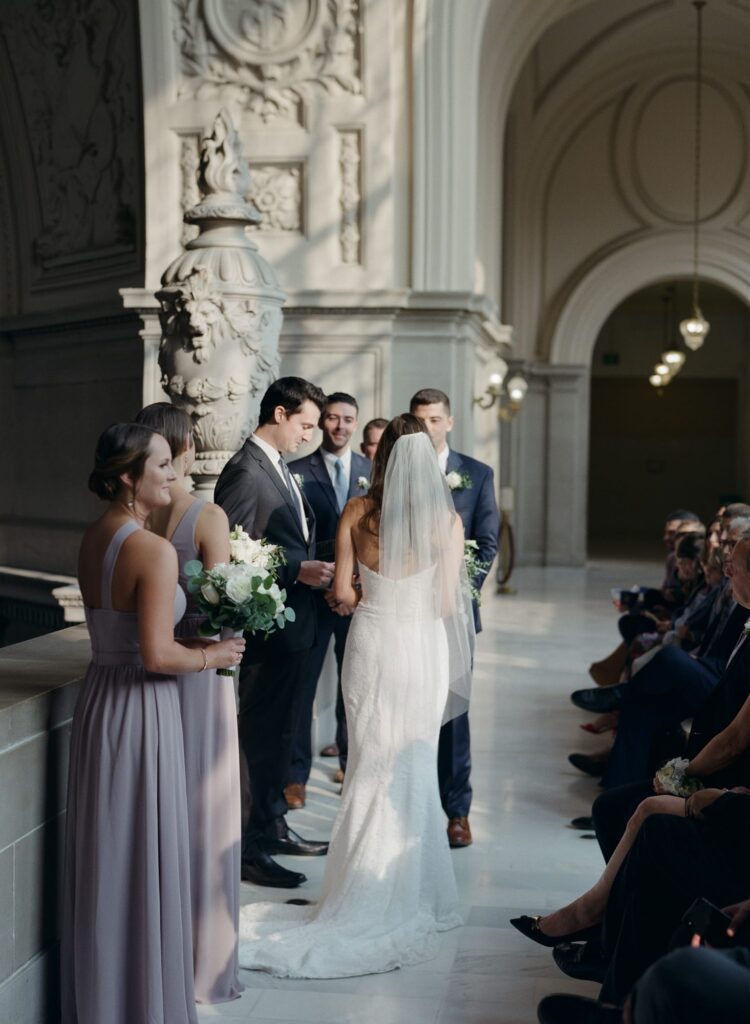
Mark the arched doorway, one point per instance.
(655, 449)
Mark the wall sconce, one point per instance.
(509, 397)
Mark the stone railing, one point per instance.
(39, 682)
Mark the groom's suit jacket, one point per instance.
(253, 495)
(478, 510)
(318, 490)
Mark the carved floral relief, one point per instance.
(268, 53)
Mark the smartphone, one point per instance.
(704, 919)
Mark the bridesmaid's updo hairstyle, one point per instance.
(122, 448)
(172, 423)
(399, 425)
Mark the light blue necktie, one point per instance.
(340, 485)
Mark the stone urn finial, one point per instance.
(220, 311)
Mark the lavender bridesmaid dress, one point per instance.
(209, 728)
(126, 953)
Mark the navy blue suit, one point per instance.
(478, 510)
(318, 491)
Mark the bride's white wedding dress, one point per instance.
(389, 886)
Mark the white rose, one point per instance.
(453, 479)
(210, 593)
(239, 589)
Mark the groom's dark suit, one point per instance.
(478, 510)
(253, 494)
(318, 490)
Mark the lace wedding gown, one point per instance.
(389, 886)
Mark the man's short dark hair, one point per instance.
(378, 423)
(341, 396)
(682, 514)
(737, 508)
(429, 396)
(291, 392)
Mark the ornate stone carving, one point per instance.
(268, 53)
(277, 194)
(220, 310)
(190, 193)
(350, 158)
(76, 65)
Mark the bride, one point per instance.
(389, 886)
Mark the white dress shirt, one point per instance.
(443, 459)
(276, 458)
(346, 460)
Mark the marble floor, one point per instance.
(533, 652)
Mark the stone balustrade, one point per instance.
(39, 682)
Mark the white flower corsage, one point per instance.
(299, 480)
(746, 627)
(673, 780)
(458, 481)
(363, 483)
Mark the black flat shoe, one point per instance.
(529, 926)
(583, 961)
(263, 870)
(583, 824)
(570, 1009)
(599, 701)
(288, 841)
(593, 766)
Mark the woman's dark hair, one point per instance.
(290, 392)
(172, 423)
(398, 427)
(690, 546)
(122, 448)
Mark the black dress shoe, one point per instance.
(263, 870)
(584, 824)
(289, 842)
(590, 765)
(600, 701)
(529, 926)
(583, 961)
(569, 1009)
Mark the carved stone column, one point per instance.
(220, 311)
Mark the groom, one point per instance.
(257, 491)
(472, 486)
(330, 477)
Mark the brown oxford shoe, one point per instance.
(338, 775)
(294, 794)
(459, 833)
(330, 751)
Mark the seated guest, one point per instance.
(671, 688)
(719, 752)
(649, 601)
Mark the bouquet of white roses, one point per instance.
(474, 567)
(673, 780)
(243, 595)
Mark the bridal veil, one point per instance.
(421, 532)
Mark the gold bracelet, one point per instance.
(205, 660)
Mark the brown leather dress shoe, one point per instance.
(330, 751)
(338, 775)
(294, 794)
(459, 833)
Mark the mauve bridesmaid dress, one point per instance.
(209, 728)
(126, 949)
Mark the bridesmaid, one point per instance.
(198, 529)
(126, 938)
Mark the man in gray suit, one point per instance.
(257, 491)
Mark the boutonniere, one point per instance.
(458, 481)
(363, 484)
(299, 480)
(746, 628)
